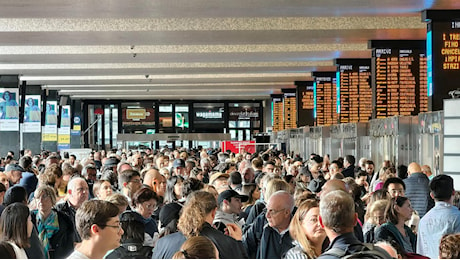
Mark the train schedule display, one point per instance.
(278, 113)
(325, 98)
(305, 103)
(289, 108)
(400, 82)
(443, 55)
(354, 91)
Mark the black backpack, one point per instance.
(368, 251)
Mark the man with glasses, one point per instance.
(98, 224)
(274, 241)
(130, 182)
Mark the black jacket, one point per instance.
(349, 171)
(346, 242)
(70, 212)
(228, 247)
(131, 250)
(61, 243)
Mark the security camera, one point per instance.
(134, 55)
(147, 76)
(132, 47)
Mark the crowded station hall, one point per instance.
(203, 129)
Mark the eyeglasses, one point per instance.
(136, 180)
(274, 212)
(112, 226)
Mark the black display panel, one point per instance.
(305, 103)
(400, 82)
(443, 54)
(325, 97)
(290, 108)
(354, 90)
(278, 112)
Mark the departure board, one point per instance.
(400, 83)
(325, 98)
(305, 103)
(278, 112)
(354, 91)
(443, 55)
(290, 108)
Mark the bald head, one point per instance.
(156, 181)
(413, 168)
(332, 185)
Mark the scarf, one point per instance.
(46, 229)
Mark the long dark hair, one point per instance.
(13, 224)
(390, 212)
(169, 194)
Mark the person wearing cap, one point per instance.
(220, 181)
(14, 173)
(229, 205)
(178, 167)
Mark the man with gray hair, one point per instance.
(274, 241)
(338, 218)
(77, 194)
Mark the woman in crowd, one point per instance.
(102, 189)
(385, 173)
(55, 229)
(16, 227)
(253, 192)
(449, 247)
(398, 211)
(173, 189)
(308, 235)
(197, 248)
(144, 202)
(197, 173)
(375, 216)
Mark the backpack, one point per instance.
(368, 251)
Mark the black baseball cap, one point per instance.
(228, 194)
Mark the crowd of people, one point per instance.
(207, 203)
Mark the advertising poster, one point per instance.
(32, 115)
(64, 130)
(50, 129)
(9, 109)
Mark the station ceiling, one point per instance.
(193, 49)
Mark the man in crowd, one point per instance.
(14, 173)
(338, 218)
(442, 219)
(77, 194)
(418, 189)
(229, 205)
(98, 224)
(275, 240)
(349, 164)
(178, 167)
(130, 182)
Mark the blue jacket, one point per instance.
(418, 191)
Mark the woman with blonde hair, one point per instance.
(308, 235)
(196, 220)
